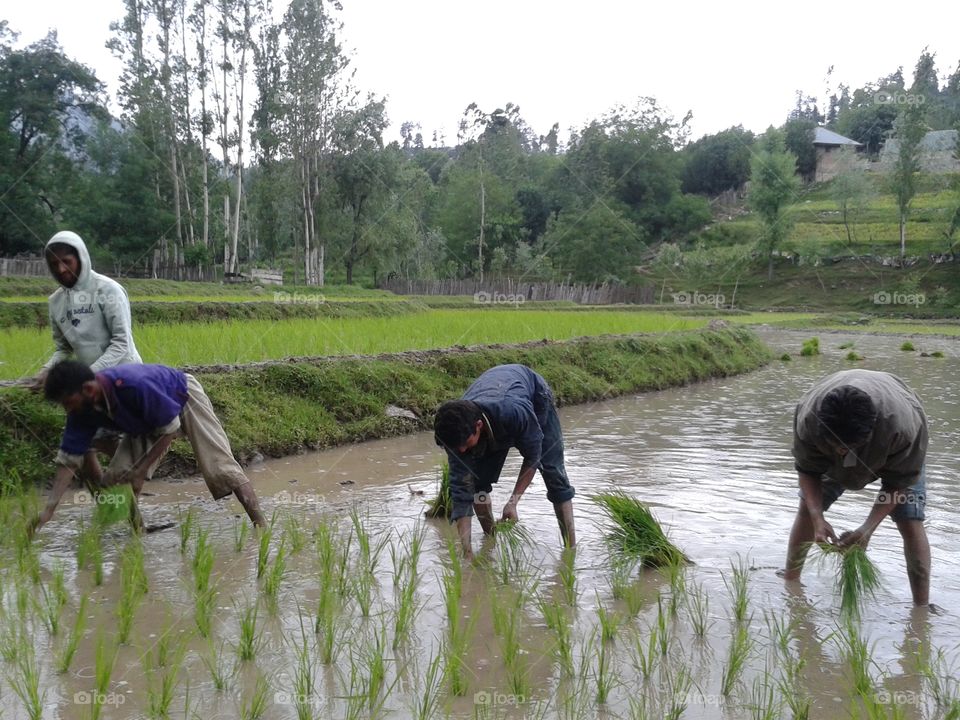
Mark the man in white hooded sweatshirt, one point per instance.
(90, 319)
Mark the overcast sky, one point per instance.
(735, 62)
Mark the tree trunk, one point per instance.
(770, 266)
(903, 238)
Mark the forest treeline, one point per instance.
(244, 141)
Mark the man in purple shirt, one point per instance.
(507, 406)
(151, 405)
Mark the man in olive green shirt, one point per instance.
(851, 429)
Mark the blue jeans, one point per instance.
(912, 507)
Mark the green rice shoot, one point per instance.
(856, 576)
(636, 531)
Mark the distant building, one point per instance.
(938, 152)
(833, 151)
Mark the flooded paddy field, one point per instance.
(355, 606)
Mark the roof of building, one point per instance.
(822, 136)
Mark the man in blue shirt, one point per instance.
(150, 405)
(507, 406)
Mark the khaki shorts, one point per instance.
(199, 424)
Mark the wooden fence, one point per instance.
(24, 267)
(504, 291)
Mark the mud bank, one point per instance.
(281, 408)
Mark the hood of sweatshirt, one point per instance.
(65, 237)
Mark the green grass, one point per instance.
(246, 341)
(636, 532)
(810, 347)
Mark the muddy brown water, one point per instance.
(712, 460)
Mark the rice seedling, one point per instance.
(636, 532)
(679, 682)
(69, 649)
(623, 583)
(781, 632)
(25, 682)
(104, 662)
(426, 696)
(50, 605)
(23, 597)
(557, 621)
(845, 346)
(605, 678)
(406, 577)
(162, 669)
(133, 586)
(454, 658)
(203, 592)
(89, 551)
(185, 521)
(698, 607)
(13, 636)
(241, 529)
(375, 670)
(942, 680)
(255, 705)
(303, 678)
(368, 689)
(765, 704)
(274, 578)
(263, 553)
(568, 578)
(677, 574)
(368, 556)
(907, 346)
(857, 656)
(738, 588)
(512, 553)
(646, 655)
(326, 626)
(741, 645)
(609, 622)
(856, 577)
(507, 619)
(221, 672)
(663, 631)
(792, 688)
(250, 639)
(644, 707)
(293, 534)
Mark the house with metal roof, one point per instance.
(834, 153)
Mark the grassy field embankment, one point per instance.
(280, 408)
(256, 340)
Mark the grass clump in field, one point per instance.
(636, 532)
(856, 576)
(810, 347)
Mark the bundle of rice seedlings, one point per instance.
(636, 532)
(856, 576)
(113, 505)
(441, 506)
